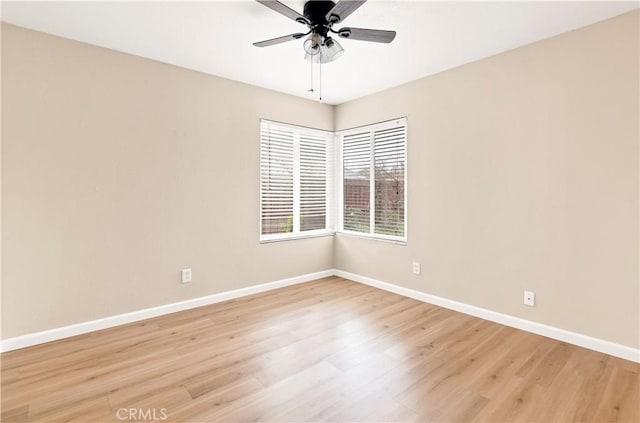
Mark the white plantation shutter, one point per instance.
(313, 182)
(295, 180)
(276, 179)
(389, 161)
(356, 181)
(373, 179)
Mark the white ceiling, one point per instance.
(216, 37)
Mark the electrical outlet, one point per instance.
(530, 298)
(186, 275)
(416, 268)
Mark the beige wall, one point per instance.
(522, 174)
(118, 171)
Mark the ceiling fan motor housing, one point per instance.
(316, 11)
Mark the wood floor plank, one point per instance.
(339, 391)
(489, 381)
(170, 398)
(327, 350)
(617, 402)
(89, 410)
(212, 402)
(17, 414)
(264, 404)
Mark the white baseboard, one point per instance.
(574, 338)
(135, 316)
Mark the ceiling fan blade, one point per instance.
(278, 40)
(284, 10)
(343, 9)
(375, 35)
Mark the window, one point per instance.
(374, 179)
(295, 181)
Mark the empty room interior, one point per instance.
(324, 211)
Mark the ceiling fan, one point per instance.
(319, 16)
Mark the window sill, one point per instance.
(373, 237)
(280, 238)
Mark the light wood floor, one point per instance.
(329, 350)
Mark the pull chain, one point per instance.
(320, 83)
(311, 87)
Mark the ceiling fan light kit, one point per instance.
(330, 51)
(326, 50)
(319, 16)
(312, 44)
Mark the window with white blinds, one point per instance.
(356, 181)
(389, 166)
(313, 182)
(374, 179)
(295, 181)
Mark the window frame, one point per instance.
(296, 233)
(371, 128)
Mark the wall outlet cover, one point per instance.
(530, 298)
(186, 275)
